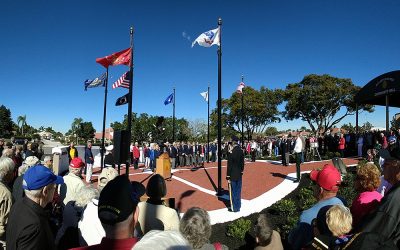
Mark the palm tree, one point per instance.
(21, 119)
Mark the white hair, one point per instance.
(6, 166)
(7, 152)
(85, 195)
(33, 194)
(23, 168)
(47, 158)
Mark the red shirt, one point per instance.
(136, 153)
(114, 244)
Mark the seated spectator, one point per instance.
(326, 186)
(161, 240)
(18, 191)
(118, 215)
(366, 183)
(333, 225)
(68, 236)
(195, 226)
(72, 181)
(90, 229)
(154, 214)
(386, 219)
(28, 225)
(266, 238)
(6, 176)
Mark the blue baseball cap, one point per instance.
(39, 176)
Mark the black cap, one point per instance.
(117, 201)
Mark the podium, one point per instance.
(163, 166)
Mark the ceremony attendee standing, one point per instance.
(72, 151)
(28, 225)
(297, 150)
(234, 174)
(135, 155)
(89, 160)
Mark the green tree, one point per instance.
(366, 127)
(270, 131)
(6, 123)
(144, 128)
(86, 131)
(260, 109)
(21, 121)
(349, 128)
(395, 123)
(317, 99)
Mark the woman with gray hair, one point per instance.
(195, 226)
(6, 176)
(68, 235)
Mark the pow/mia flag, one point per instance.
(122, 100)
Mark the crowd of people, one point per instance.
(41, 210)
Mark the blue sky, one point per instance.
(49, 48)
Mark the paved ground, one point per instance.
(264, 183)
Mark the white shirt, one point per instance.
(298, 146)
(90, 229)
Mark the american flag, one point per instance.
(123, 81)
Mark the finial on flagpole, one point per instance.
(131, 31)
(242, 77)
(219, 21)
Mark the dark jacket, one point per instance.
(386, 220)
(173, 152)
(88, 156)
(235, 164)
(28, 227)
(18, 191)
(109, 160)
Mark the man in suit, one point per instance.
(234, 174)
(284, 151)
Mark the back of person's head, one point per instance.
(75, 165)
(263, 230)
(368, 177)
(160, 240)
(86, 194)
(156, 187)
(339, 220)
(117, 205)
(6, 169)
(7, 152)
(195, 226)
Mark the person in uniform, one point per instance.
(234, 174)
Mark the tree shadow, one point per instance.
(283, 176)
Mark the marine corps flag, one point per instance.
(121, 57)
(122, 100)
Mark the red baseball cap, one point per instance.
(76, 163)
(328, 177)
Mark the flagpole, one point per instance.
(104, 121)
(219, 108)
(242, 117)
(130, 100)
(173, 120)
(208, 123)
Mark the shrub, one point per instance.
(239, 228)
(306, 198)
(286, 208)
(346, 189)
